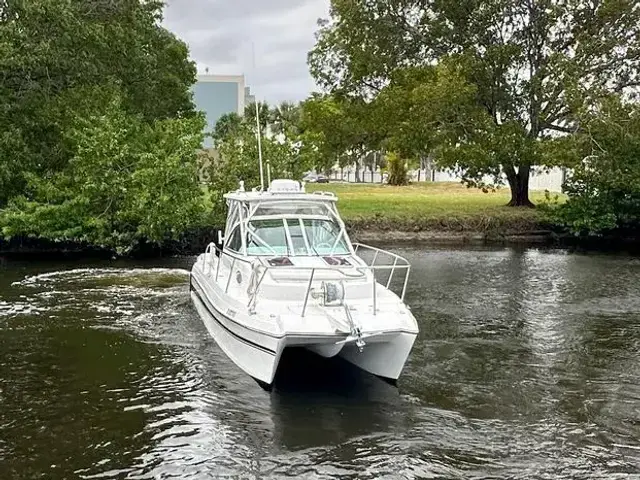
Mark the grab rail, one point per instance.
(399, 263)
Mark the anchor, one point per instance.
(355, 330)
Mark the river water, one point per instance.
(527, 366)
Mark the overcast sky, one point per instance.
(220, 34)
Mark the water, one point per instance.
(527, 366)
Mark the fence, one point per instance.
(539, 180)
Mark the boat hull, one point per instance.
(385, 358)
(256, 359)
(258, 353)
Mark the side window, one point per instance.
(235, 240)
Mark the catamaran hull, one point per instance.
(384, 353)
(253, 356)
(384, 358)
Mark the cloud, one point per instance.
(227, 36)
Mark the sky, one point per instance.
(226, 36)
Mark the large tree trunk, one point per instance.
(519, 184)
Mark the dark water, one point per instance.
(527, 366)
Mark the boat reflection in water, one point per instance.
(333, 399)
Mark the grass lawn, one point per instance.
(424, 206)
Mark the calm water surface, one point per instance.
(527, 366)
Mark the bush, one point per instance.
(128, 181)
(604, 188)
(397, 169)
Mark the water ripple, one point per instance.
(526, 367)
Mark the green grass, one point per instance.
(429, 206)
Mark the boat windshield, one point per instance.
(295, 236)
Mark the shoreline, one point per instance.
(444, 237)
(429, 214)
(196, 241)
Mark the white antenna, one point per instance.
(257, 102)
(268, 170)
(259, 144)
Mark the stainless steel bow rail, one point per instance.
(259, 270)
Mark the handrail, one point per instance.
(399, 263)
(376, 249)
(341, 267)
(306, 297)
(396, 257)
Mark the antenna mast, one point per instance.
(259, 145)
(253, 62)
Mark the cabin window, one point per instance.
(235, 240)
(325, 237)
(298, 242)
(293, 236)
(293, 209)
(267, 237)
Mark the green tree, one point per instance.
(127, 182)
(283, 151)
(434, 110)
(604, 186)
(397, 169)
(55, 54)
(265, 112)
(304, 146)
(286, 121)
(227, 125)
(342, 128)
(526, 61)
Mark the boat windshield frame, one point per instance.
(242, 213)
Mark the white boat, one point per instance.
(288, 275)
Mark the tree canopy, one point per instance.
(286, 151)
(342, 128)
(604, 185)
(56, 56)
(128, 181)
(523, 66)
(98, 131)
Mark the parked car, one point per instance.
(315, 178)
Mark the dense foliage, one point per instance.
(128, 181)
(100, 140)
(98, 129)
(397, 170)
(286, 151)
(604, 187)
(518, 65)
(344, 129)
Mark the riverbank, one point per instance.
(427, 213)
